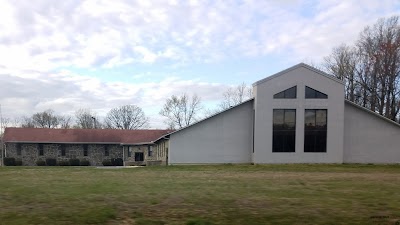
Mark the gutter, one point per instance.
(95, 143)
(60, 142)
(162, 137)
(140, 143)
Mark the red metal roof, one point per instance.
(46, 135)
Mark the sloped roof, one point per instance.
(110, 136)
(296, 67)
(371, 112)
(211, 116)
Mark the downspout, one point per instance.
(1, 137)
(3, 150)
(123, 155)
(254, 128)
(169, 149)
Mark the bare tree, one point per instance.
(127, 117)
(342, 64)
(5, 122)
(65, 122)
(181, 111)
(236, 95)
(27, 122)
(232, 97)
(371, 69)
(11, 122)
(45, 119)
(86, 119)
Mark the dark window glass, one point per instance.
(288, 93)
(106, 151)
(280, 95)
(309, 118)
(139, 156)
(311, 93)
(150, 150)
(41, 151)
(291, 92)
(62, 150)
(85, 150)
(290, 118)
(18, 149)
(284, 130)
(315, 130)
(279, 117)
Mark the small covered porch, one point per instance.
(145, 154)
(136, 154)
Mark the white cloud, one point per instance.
(50, 34)
(147, 55)
(40, 38)
(66, 92)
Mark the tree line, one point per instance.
(123, 117)
(370, 68)
(179, 111)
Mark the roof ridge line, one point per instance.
(322, 73)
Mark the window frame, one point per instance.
(63, 151)
(315, 134)
(85, 150)
(41, 150)
(19, 149)
(283, 133)
(142, 156)
(106, 151)
(316, 92)
(285, 92)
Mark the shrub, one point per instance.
(9, 161)
(198, 222)
(85, 162)
(18, 162)
(107, 163)
(51, 162)
(74, 162)
(117, 162)
(63, 163)
(40, 163)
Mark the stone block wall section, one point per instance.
(130, 155)
(29, 153)
(158, 155)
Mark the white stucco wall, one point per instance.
(369, 138)
(299, 76)
(223, 138)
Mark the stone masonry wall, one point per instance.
(160, 152)
(29, 153)
(158, 156)
(130, 155)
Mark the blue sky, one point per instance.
(67, 55)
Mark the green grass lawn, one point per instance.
(226, 194)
